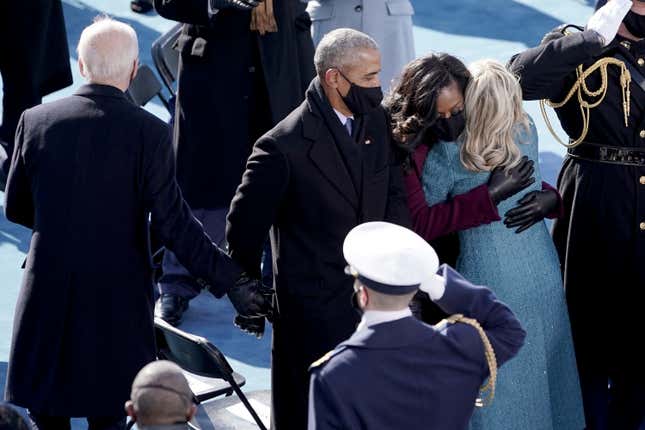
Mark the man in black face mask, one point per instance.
(320, 172)
(601, 238)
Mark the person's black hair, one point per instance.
(412, 105)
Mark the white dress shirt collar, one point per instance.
(342, 117)
(371, 318)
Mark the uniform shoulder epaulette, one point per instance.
(322, 360)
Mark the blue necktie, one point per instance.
(348, 125)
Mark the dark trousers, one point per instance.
(44, 422)
(619, 406)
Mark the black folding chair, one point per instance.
(166, 57)
(145, 86)
(203, 361)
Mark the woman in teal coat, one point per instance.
(539, 389)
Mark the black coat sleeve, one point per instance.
(502, 328)
(543, 69)
(397, 210)
(186, 11)
(174, 224)
(256, 204)
(18, 204)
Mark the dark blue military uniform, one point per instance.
(404, 374)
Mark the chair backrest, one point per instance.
(166, 57)
(192, 353)
(144, 86)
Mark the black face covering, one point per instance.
(635, 24)
(361, 100)
(449, 129)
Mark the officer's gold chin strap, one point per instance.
(487, 392)
(580, 88)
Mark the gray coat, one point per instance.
(389, 22)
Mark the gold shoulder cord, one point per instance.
(487, 392)
(580, 88)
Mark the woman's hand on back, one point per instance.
(503, 184)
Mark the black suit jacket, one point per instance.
(87, 173)
(296, 181)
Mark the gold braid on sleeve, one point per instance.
(487, 392)
(581, 90)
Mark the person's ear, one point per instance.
(135, 68)
(364, 298)
(81, 67)
(332, 77)
(191, 412)
(129, 409)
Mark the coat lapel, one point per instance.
(324, 154)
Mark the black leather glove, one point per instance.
(502, 185)
(234, 4)
(255, 325)
(531, 208)
(250, 298)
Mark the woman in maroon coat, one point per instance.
(427, 106)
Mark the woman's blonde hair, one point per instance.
(493, 108)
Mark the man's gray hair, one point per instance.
(108, 49)
(338, 49)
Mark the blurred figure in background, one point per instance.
(34, 62)
(389, 22)
(10, 418)
(238, 76)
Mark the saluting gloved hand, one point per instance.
(608, 18)
(502, 184)
(532, 208)
(234, 4)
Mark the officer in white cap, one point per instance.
(396, 372)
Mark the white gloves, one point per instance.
(608, 18)
(435, 287)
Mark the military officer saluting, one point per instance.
(396, 372)
(594, 78)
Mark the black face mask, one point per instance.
(635, 24)
(361, 100)
(449, 129)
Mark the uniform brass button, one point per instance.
(642, 180)
(640, 61)
(642, 134)
(358, 8)
(643, 226)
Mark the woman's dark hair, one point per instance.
(413, 102)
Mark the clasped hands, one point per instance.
(253, 302)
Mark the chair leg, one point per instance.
(246, 403)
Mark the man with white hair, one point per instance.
(161, 398)
(87, 174)
(324, 169)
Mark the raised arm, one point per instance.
(502, 328)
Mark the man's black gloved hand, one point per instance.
(249, 297)
(502, 185)
(255, 325)
(532, 208)
(234, 4)
(250, 325)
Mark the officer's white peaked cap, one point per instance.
(389, 258)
